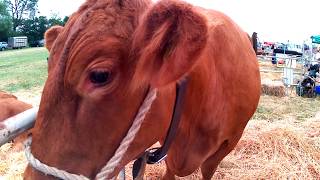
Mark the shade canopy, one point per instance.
(316, 39)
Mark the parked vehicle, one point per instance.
(3, 46)
(18, 42)
(39, 43)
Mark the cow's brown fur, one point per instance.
(79, 125)
(10, 106)
(4, 95)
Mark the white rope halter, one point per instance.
(110, 166)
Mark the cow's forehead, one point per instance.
(91, 22)
(100, 20)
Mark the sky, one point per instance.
(273, 20)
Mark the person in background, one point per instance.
(318, 55)
(254, 39)
(313, 70)
(274, 59)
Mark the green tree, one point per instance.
(35, 28)
(5, 22)
(55, 21)
(21, 9)
(65, 20)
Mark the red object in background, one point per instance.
(280, 61)
(269, 43)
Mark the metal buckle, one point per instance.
(154, 156)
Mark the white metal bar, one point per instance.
(14, 126)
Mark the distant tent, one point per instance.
(316, 39)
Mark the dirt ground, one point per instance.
(32, 97)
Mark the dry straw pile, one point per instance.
(12, 163)
(279, 150)
(273, 88)
(272, 76)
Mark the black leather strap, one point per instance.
(159, 154)
(156, 155)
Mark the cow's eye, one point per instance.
(99, 78)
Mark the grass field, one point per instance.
(24, 69)
(273, 109)
(282, 141)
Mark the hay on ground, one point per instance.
(277, 151)
(273, 88)
(272, 76)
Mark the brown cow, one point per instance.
(11, 106)
(105, 59)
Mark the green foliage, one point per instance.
(5, 22)
(56, 21)
(35, 28)
(18, 17)
(3, 9)
(65, 20)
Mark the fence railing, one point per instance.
(292, 67)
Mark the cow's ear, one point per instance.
(51, 35)
(168, 41)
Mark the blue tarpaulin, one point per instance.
(316, 39)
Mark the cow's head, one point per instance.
(101, 65)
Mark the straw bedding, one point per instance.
(273, 88)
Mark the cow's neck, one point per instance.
(156, 155)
